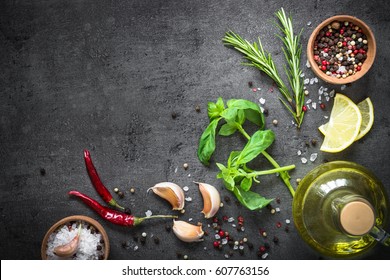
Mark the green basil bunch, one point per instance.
(237, 177)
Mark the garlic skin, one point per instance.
(170, 192)
(187, 232)
(211, 199)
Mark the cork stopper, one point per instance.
(357, 218)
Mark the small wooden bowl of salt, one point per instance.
(92, 243)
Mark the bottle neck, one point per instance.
(354, 215)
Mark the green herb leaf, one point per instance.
(259, 141)
(207, 142)
(229, 115)
(251, 200)
(227, 129)
(251, 110)
(246, 184)
(214, 110)
(233, 158)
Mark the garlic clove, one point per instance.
(170, 192)
(187, 232)
(211, 199)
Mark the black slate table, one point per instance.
(123, 79)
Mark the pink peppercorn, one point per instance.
(304, 108)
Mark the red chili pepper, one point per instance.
(97, 183)
(114, 216)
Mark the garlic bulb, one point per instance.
(187, 232)
(211, 199)
(170, 192)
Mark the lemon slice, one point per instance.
(367, 110)
(343, 126)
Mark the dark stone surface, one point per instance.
(107, 76)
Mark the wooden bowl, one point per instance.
(71, 219)
(371, 52)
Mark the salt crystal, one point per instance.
(319, 98)
(224, 241)
(235, 247)
(217, 236)
(205, 248)
(148, 213)
(258, 88)
(308, 106)
(316, 80)
(277, 209)
(313, 156)
(326, 117)
(303, 159)
(321, 90)
(326, 94)
(262, 109)
(302, 75)
(176, 170)
(327, 98)
(233, 225)
(306, 81)
(308, 64)
(262, 101)
(190, 219)
(241, 247)
(299, 152)
(227, 256)
(188, 198)
(308, 101)
(242, 228)
(312, 81)
(314, 105)
(231, 219)
(135, 248)
(264, 256)
(288, 221)
(185, 188)
(189, 175)
(331, 94)
(308, 23)
(343, 87)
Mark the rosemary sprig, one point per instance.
(258, 58)
(292, 51)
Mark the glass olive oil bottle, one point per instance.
(339, 209)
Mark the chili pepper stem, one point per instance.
(138, 220)
(113, 203)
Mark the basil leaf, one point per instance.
(227, 129)
(246, 184)
(251, 200)
(214, 110)
(252, 110)
(240, 117)
(207, 142)
(259, 141)
(233, 158)
(229, 114)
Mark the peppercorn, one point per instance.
(265, 112)
(121, 194)
(250, 84)
(156, 240)
(99, 247)
(132, 190)
(168, 228)
(128, 211)
(185, 166)
(275, 239)
(42, 171)
(275, 122)
(314, 142)
(173, 115)
(197, 108)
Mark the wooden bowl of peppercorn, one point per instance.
(341, 49)
(95, 240)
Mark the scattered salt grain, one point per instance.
(148, 213)
(327, 98)
(311, 81)
(264, 256)
(303, 159)
(136, 248)
(277, 209)
(217, 236)
(308, 101)
(313, 157)
(302, 75)
(189, 175)
(176, 170)
(188, 198)
(185, 188)
(299, 152)
(190, 219)
(308, 23)
(231, 219)
(326, 117)
(306, 81)
(288, 221)
(343, 87)
(331, 94)
(308, 64)
(262, 101)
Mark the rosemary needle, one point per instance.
(258, 58)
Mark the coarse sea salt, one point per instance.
(88, 246)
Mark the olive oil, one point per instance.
(335, 207)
